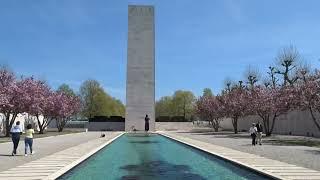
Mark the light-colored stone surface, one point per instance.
(304, 156)
(264, 165)
(54, 165)
(169, 126)
(140, 93)
(106, 126)
(43, 147)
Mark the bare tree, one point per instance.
(287, 59)
(252, 76)
(229, 83)
(273, 78)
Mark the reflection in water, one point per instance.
(144, 142)
(142, 135)
(159, 170)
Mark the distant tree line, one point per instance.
(96, 102)
(107, 119)
(178, 107)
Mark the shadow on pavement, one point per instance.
(219, 134)
(316, 152)
(11, 155)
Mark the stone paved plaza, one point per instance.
(42, 147)
(299, 155)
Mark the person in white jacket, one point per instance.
(253, 133)
(15, 135)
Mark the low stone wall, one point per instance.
(295, 123)
(160, 126)
(106, 126)
(173, 126)
(70, 124)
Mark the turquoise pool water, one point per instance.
(154, 157)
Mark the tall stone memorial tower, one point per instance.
(140, 89)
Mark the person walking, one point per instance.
(28, 140)
(253, 133)
(15, 136)
(259, 133)
(146, 123)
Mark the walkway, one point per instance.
(308, 157)
(58, 155)
(275, 168)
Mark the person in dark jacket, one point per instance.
(146, 123)
(253, 133)
(15, 136)
(259, 133)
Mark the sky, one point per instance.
(198, 44)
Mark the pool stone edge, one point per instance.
(255, 169)
(67, 168)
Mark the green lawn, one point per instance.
(36, 135)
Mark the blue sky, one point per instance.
(198, 43)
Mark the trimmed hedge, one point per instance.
(122, 119)
(163, 119)
(116, 119)
(107, 119)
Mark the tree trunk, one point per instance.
(7, 125)
(235, 124)
(61, 124)
(268, 133)
(58, 125)
(45, 122)
(41, 128)
(216, 128)
(267, 125)
(41, 131)
(9, 122)
(264, 125)
(216, 125)
(314, 118)
(60, 128)
(272, 125)
(265, 120)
